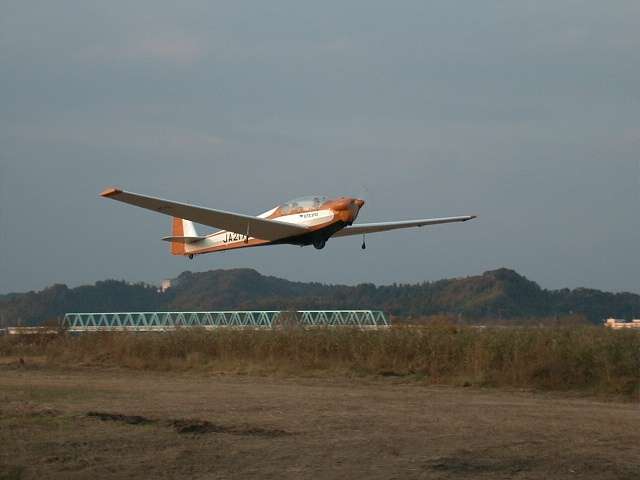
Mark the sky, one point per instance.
(524, 113)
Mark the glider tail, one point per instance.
(181, 229)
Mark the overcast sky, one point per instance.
(525, 113)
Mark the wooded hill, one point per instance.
(499, 296)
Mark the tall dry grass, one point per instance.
(592, 359)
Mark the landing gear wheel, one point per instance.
(364, 245)
(319, 243)
(191, 256)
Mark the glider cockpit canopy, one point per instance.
(312, 202)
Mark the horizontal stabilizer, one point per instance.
(183, 239)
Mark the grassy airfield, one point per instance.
(437, 402)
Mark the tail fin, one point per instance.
(182, 233)
(187, 227)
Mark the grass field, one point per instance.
(592, 360)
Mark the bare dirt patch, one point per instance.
(117, 417)
(203, 426)
(468, 463)
(189, 426)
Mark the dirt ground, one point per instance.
(99, 423)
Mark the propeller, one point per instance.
(364, 193)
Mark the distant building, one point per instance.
(29, 331)
(618, 324)
(165, 285)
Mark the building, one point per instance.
(29, 331)
(619, 324)
(165, 285)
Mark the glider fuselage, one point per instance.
(321, 217)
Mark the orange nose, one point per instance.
(359, 202)
(341, 204)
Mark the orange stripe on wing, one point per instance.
(110, 192)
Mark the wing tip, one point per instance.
(111, 191)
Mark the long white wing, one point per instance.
(233, 222)
(384, 226)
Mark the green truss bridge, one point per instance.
(262, 319)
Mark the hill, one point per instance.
(501, 296)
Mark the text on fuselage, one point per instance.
(232, 237)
